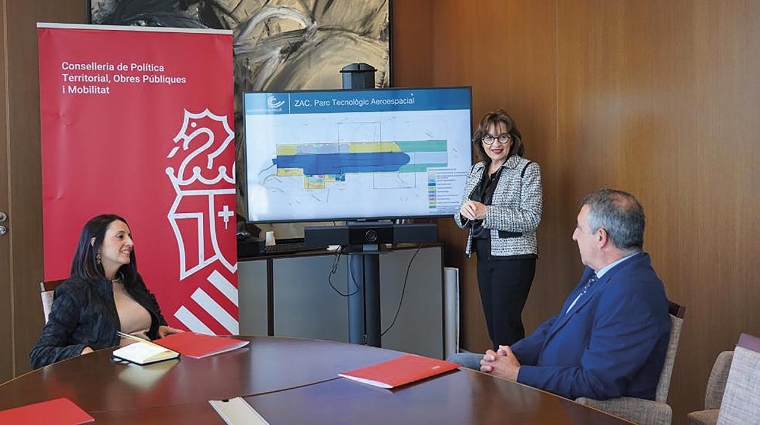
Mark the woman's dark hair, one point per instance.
(494, 118)
(85, 264)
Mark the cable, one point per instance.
(403, 290)
(334, 269)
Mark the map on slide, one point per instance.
(322, 163)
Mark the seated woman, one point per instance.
(104, 295)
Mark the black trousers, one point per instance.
(504, 285)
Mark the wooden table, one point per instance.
(288, 381)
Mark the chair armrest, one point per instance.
(716, 384)
(703, 417)
(636, 410)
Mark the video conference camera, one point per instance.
(358, 234)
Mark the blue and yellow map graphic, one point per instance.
(322, 163)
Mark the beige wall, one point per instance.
(659, 98)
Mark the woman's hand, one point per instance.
(473, 210)
(86, 350)
(166, 330)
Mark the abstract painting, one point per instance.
(278, 44)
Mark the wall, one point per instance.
(21, 194)
(659, 98)
(6, 293)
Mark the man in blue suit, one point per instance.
(610, 337)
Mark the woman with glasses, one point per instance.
(501, 207)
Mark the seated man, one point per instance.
(610, 337)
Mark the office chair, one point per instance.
(716, 386)
(47, 290)
(741, 400)
(642, 411)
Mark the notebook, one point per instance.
(198, 346)
(59, 411)
(400, 371)
(144, 352)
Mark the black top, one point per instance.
(483, 193)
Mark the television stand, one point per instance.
(364, 304)
(364, 241)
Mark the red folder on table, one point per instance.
(400, 371)
(60, 411)
(197, 345)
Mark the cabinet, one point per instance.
(293, 296)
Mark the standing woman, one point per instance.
(502, 208)
(104, 295)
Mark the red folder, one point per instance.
(60, 411)
(400, 371)
(197, 345)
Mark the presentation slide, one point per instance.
(356, 154)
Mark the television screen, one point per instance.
(356, 154)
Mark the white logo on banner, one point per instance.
(202, 180)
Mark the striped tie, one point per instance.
(588, 284)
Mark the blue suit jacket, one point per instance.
(611, 344)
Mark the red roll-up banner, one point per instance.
(138, 122)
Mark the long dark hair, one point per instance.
(494, 118)
(85, 264)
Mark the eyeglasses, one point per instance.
(502, 138)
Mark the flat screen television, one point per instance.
(356, 154)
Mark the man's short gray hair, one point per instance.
(620, 214)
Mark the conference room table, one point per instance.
(287, 381)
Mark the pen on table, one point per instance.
(132, 337)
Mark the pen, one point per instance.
(129, 336)
(134, 338)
